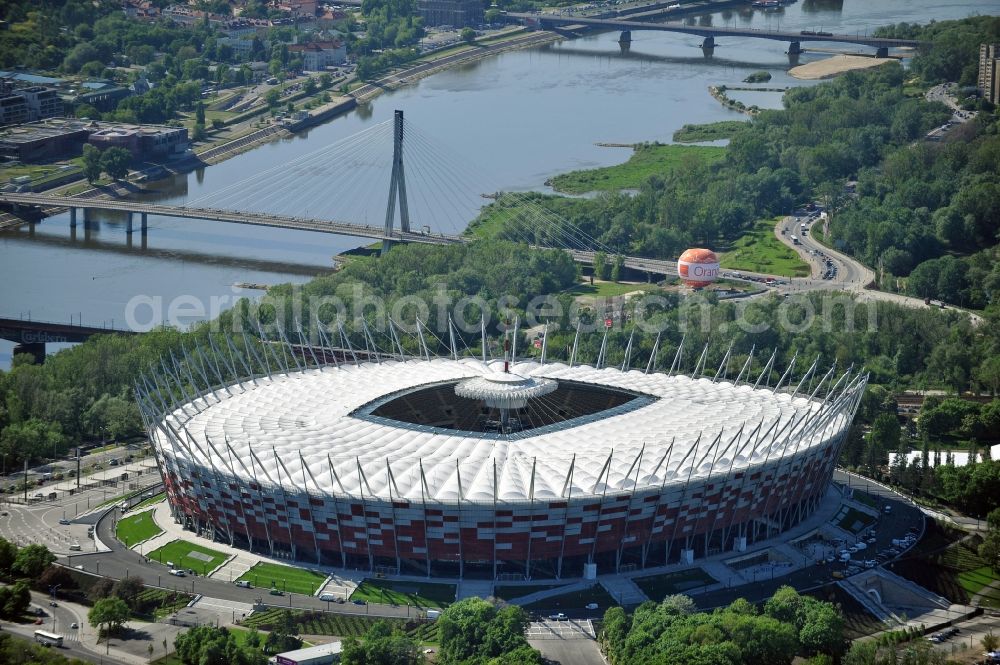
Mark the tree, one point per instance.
(32, 560)
(600, 265)
(199, 114)
(111, 613)
(128, 590)
(198, 133)
(990, 641)
(91, 163)
(8, 552)
(115, 162)
(989, 549)
(14, 600)
(309, 87)
(381, 645)
(468, 35)
(272, 97)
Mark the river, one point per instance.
(518, 118)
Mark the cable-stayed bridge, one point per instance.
(336, 189)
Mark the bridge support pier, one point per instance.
(128, 229)
(626, 37)
(882, 52)
(143, 222)
(708, 42)
(72, 218)
(35, 349)
(794, 48)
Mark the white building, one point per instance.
(322, 654)
(317, 56)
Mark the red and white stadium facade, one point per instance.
(301, 461)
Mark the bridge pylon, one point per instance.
(397, 187)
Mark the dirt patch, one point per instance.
(838, 64)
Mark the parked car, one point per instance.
(64, 521)
(558, 616)
(591, 606)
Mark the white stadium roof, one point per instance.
(303, 430)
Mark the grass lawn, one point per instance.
(576, 600)
(855, 521)
(607, 289)
(509, 591)
(285, 578)
(973, 581)
(419, 594)
(137, 528)
(760, 251)
(657, 587)
(646, 160)
(189, 555)
(712, 131)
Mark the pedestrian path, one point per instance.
(342, 583)
(623, 590)
(475, 589)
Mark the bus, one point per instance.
(795, 240)
(48, 639)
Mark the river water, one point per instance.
(515, 120)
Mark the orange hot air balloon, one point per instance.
(698, 267)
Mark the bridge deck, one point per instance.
(711, 31)
(235, 217)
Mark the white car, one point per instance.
(178, 573)
(558, 616)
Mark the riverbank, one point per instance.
(838, 64)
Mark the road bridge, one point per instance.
(32, 336)
(51, 203)
(710, 33)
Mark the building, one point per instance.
(13, 109)
(105, 98)
(44, 140)
(456, 13)
(317, 56)
(63, 137)
(321, 654)
(20, 105)
(451, 466)
(143, 141)
(988, 80)
(42, 102)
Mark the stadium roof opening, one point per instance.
(437, 405)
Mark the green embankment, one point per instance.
(712, 131)
(418, 594)
(647, 160)
(189, 555)
(760, 251)
(137, 528)
(284, 578)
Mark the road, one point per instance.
(850, 275)
(77, 642)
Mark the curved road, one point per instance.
(850, 274)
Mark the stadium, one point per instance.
(495, 468)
